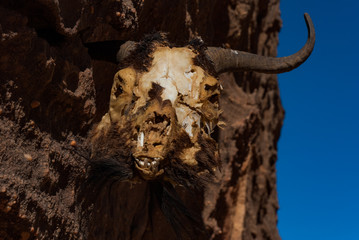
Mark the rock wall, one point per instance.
(56, 70)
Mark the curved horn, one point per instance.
(125, 50)
(226, 60)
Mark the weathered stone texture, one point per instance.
(55, 83)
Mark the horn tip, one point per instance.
(307, 17)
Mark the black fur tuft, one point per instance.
(141, 58)
(184, 222)
(110, 160)
(202, 59)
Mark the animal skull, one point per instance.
(175, 101)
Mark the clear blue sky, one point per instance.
(318, 159)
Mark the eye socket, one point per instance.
(208, 87)
(118, 87)
(119, 91)
(214, 98)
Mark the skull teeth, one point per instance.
(147, 163)
(140, 139)
(209, 128)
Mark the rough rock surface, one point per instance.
(55, 81)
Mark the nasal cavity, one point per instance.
(159, 118)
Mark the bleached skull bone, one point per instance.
(173, 100)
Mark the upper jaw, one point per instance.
(148, 162)
(149, 167)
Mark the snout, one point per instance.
(154, 135)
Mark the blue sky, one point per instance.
(318, 159)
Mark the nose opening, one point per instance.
(153, 132)
(160, 118)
